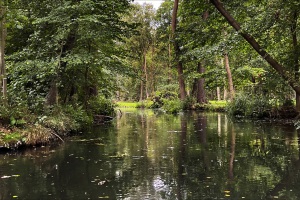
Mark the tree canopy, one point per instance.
(61, 52)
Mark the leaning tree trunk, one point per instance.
(177, 53)
(257, 47)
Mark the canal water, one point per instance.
(152, 155)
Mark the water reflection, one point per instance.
(148, 155)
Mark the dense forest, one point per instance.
(65, 61)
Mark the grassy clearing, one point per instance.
(216, 105)
(142, 104)
(211, 106)
(123, 104)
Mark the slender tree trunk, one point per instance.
(153, 74)
(256, 46)
(169, 60)
(229, 76)
(218, 94)
(2, 46)
(225, 93)
(146, 76)
(296, 53)
(201, 96)
(177, 53)
(141, 90)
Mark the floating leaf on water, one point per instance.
(208, 177)
(105, 197)
(15, 196)
(227, 191)
(227, 195)
(15, 175)
(5, 176)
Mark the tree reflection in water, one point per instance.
(152, 155)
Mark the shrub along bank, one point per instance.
(243, 106)
(20, 126)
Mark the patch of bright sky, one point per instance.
(155, 3)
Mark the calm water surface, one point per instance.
(148, 155)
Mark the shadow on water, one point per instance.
(152, 155)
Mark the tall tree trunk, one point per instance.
(177, 53)
(218, 94)
(141, 90)
(169, 60)
(146, 76)
(296, 53)
(201, 96)
(256, 46)
(229, 76)
(225, 93)
(2, 46)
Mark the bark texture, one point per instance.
(177, 52)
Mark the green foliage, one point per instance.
(78, 114)
(218, 106)
(74, 45)
(11, 137)
(162, 96)
(16, 114)
(63, 119)
(123, 104)
(101, 106)
(188, 103)
(172, 106)
(256, 106)
(145, 104)
(17, 122)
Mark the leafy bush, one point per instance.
(63, 119)
(256, 106)
(162, 96)
(238, 107)
(144, 104)
(78, 114)
(172, 106)
(260, 107)
(188, 103)
(101, 105)
(16, 114)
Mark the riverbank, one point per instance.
(216, 106)
(12, 138)
(56, 127)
